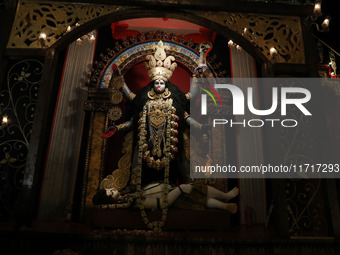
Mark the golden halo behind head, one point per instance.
(160, 66)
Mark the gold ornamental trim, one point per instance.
(115, 113)
(51, 18)
(120, 177)
(95, 157)
(284, 33)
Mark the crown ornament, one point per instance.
(160, 66)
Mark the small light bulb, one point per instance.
(79, 41)
(317, 9)
(273, 51)
(325, 23)
(42, 36)
(230, 43)
(92, 38)
(4, 119)
(68, 29)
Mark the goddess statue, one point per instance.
(158, 115)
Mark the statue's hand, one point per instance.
(110, 132)
(186, 188)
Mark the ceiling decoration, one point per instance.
(281, 35)
(52, 19)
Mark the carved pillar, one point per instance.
(95, 160)
(98, 104)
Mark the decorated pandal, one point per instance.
(121, 183)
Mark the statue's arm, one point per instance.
(192, 94)
(115, 128)
(118, 82)
(191, 122)
(204, 48)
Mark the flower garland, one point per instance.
(155, 225)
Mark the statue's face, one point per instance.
(112, 193)
(159, 86)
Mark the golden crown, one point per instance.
(159, 65)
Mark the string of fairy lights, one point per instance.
(91, 37)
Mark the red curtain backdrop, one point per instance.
(133, 27)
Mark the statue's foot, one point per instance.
(231, 207)
(232, 193)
